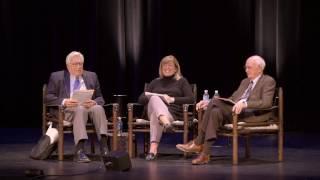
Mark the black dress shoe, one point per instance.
(151, 157)
(81, 157)
(104, 150)
(168, 128)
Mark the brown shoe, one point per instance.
(184, 146)
(201, 159)
(190, 147)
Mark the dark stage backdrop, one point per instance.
(124, 40)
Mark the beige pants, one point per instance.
(156, 108)
(79, 118)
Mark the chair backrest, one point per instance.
(44, 109)
(278, 104)
(194, 90)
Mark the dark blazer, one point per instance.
(261, 96)
(59, 87)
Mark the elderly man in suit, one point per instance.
(61, 86)
(255, 91)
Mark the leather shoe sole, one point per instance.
(182, 147)
(190, 147)
(201, 159)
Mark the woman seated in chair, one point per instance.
(164, 97)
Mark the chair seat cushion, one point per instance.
(142, 121)
(175, 123)
(230, 126)
(67, 123)
(270, 127)
(241, 125)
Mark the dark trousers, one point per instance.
(217, 113)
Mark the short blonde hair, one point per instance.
(72, 54)
(167, 59)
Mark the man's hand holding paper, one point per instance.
(71, 103)
(89, 103)
(82, 95)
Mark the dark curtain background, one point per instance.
(124, 40)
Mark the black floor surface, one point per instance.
(301, 160)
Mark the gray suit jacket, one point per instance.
(260, 97)
(59, 87)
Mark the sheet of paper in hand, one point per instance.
(156, 94)
(226, 100)
(82, 95)
(153, 94)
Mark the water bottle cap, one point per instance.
(206, 91)
(216, 91)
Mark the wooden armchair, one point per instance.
(273, 126)
(138, 122)
(64, 128)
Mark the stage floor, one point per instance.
(301, 160)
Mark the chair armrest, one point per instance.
(264, 109)
(111, 104)
(260, 111)
(111, 109)
(135, 104)
(51, 117)
(137, 109)
(55, 106)
(188, 107)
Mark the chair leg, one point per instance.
(61, 134)
(60, 147)
(185, 140)
(235, 150)
(185, 127)
(235, 140)
(280, 146)
(130, 130)
(130, 143)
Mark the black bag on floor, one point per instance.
(46, 144)
(117, 161)
(43, 149)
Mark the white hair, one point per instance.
(72, 54)
(259, 61)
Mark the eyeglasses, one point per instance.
(76, 64)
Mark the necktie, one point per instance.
(247, 92)
(76, 85)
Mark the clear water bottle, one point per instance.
(206, 96)
(216, 94)
(119, 126)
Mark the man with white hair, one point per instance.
(61, 86)
(255, 91)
